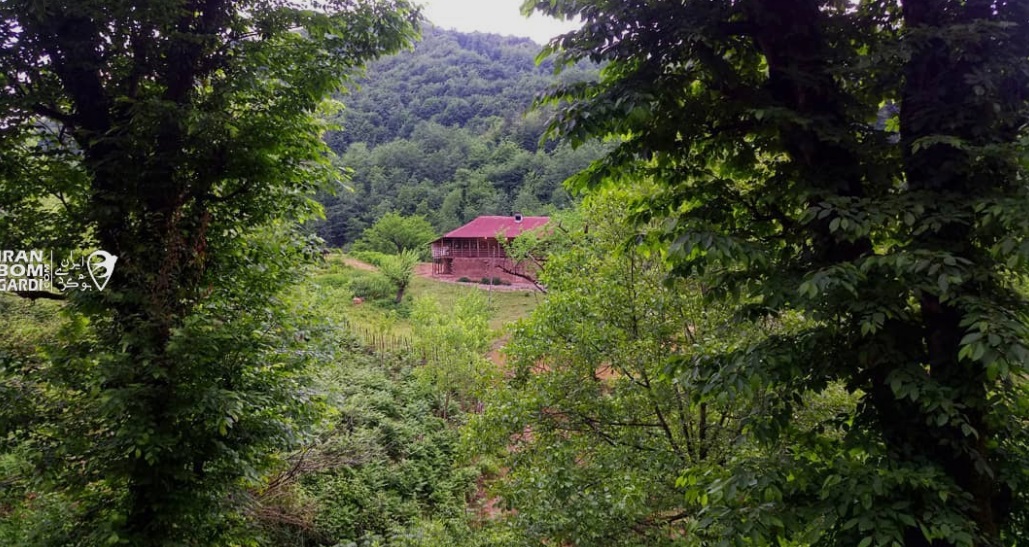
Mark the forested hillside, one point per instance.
(441, 131)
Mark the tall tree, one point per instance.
(859, 163)
(395, 234)
(590, 430)
(182, 136)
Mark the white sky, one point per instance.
(494, 16)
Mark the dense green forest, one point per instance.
(444, 131)
(783, 297)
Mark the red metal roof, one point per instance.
(492, 226)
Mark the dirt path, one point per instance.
(496, 352)
(358, 265)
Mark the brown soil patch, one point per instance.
(358, 265)
(496, 351)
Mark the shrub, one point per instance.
(463, 280)
(371, 257)
(333, 281)
(401, 309)
(388, 464)
(372, 286)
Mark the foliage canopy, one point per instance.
(860, 164)
(393, 234)
(592, 430)
(185, 138)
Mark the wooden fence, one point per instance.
(382, 343)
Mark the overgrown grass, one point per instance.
(379, 316)
(386, 463)
(505, 306)
(27, 513)
(384, 469)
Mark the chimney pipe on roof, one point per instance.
(518, 217)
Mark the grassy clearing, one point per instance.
(380, 316)
(505, 306)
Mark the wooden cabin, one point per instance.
(474, 251)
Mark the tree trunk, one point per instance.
(934, 90)
(787, 33)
